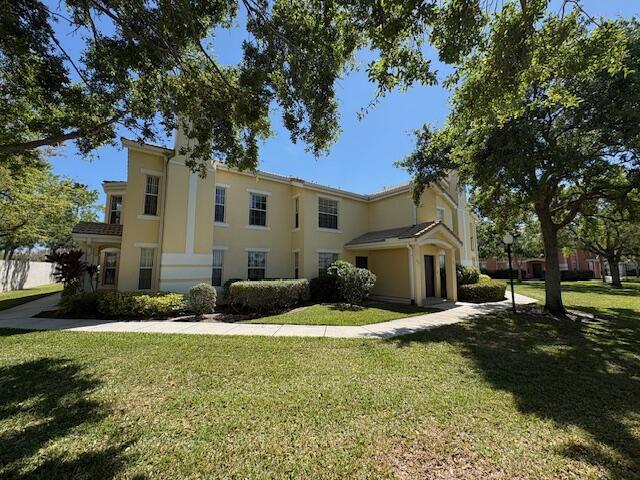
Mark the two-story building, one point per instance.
(166, 229)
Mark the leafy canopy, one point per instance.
(544, 118)
(150, 66)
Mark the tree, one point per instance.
(610, 230)
(68, 269)
(151, 67)
(489, 240)
(40, 208)
(544, 118)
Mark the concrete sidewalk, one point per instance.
(21, 317)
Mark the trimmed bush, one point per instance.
(268, 295)
(122, 304)
(467, 275)
(485, 291)
(575, 275)
(201, 299)
(79, 304)
(324, 289)
(484, 278)
(227, 285)
(354, 284)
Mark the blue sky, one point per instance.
(368, 146)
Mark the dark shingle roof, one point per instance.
(400, 232)
(96, 228)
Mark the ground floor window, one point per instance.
(362, 262)
(146, 269)
(257, 265)
(109, 271)
(216, 272)
(325, 259)
(296, 264)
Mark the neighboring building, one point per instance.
(167, 229)
(579, 260)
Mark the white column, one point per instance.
(452, 284)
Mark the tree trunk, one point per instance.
(615, 271)
(552, 288)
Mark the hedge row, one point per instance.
(268, 295)
(485, 291)
(122, 304)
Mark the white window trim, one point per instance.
(153, 173)
(266, 259)
(220, 247)
(257, 249)
(339, 202)
(329, 251)
(145, 245)
(215, 204)
(148, 217)
(259, 192)
(221, 268)
(266, 212)
(444, 213)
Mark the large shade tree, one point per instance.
(151, 66)
(610, 230)
(38, 208)
(545, 118)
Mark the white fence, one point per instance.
(21, 274)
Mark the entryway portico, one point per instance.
(429, 249)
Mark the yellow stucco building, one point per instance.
(166, 229)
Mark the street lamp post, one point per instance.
(508, 240)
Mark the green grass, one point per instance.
(18, 297)
(494, 397)
(593, 297)
(340, 314)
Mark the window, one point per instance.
(362, 262)
(151, 195)
(327, 213)
(109, 273)
(115, 207)
(257, 265)
(296, 212)
(296, 264)
(440, 213)
(216, 273)
(146, 268)
(325, 259)
(257, 209)
(221, 194)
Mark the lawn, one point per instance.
(340, 314)
(18, 297)
(494, 397)
(593, 297)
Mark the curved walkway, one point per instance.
(21, 317)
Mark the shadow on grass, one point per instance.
(7, 303)
(389, 307)
(577, 375)
(46, 400)
(592, 288)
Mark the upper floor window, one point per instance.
(296, 212)
(146, 268)
(440, 213)
(151, 191)
(327, 213)
(325, 259)
(257, 209)
(257, 265)
(216, 273)
(115, 209)
(221, 196)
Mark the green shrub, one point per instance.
(201, 299)
(268, 295)
(225, 287)
(122, 304)
(484, 278)
(324, 289)
(85, 303)
(467, 275)
(485, 291)
(354, 284)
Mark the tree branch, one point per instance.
(54, 140)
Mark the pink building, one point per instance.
(579, 260)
